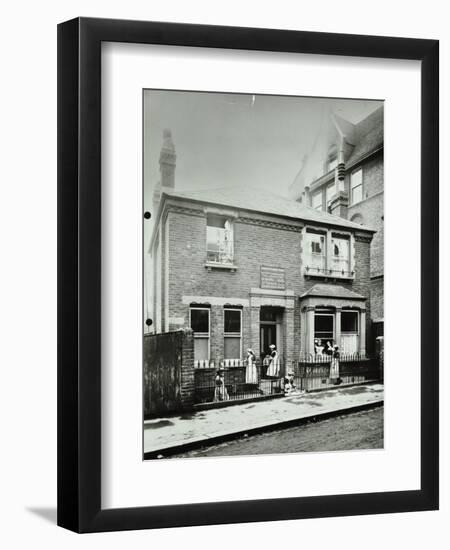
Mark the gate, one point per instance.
(168, 369)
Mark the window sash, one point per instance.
(201, 339)
(316, 259)
(317, 200)
(355, 314)
(356, 183)
(229, 310)
(340, 261)
(330, 192)
(232, 337)
(332, 164)
(201, 334)
(219, 240)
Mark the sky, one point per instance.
(224, 139)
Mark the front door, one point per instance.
(268, 337)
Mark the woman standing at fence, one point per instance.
(274, 366)
(334, 366)
(251, 374)
(220, 392)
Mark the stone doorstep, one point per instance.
(220, 437)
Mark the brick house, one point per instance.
(346, 179)
(245, 269)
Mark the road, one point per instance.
(362, 430)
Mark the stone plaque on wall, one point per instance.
(273, 278)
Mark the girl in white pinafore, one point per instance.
(274, 367)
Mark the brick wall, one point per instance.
(376, 298)
(371, 210)
(254, 245)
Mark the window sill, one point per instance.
(329, 276)
(227, 267)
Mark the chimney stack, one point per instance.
(167, 161)
(340, 172)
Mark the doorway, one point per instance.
(268, 337)
(271, 329)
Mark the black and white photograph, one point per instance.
(263, 274)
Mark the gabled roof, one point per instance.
(369, 136)
(258, 200)
(332, 291)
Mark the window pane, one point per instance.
(357, 194)
(201, 346)
(219, 239)
(341, 254)
(232, 321)
(331, 191)
(349, 321)
(323, 323)
(232, 348)
(214, 236)
(356, 178)
(332, 164)
(200, 320)
(268, 314)
(317, 201)
(356, 186)
(316, 250)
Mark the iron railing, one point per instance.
(314, 372)
(326, 272)
(236, 383)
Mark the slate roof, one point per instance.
(265, 202)
(369, 136)
(332, 291)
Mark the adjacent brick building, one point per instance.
(346, 179)
(246, 269)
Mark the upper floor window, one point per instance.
(340, 254)
(219, 239)
(356, 186)
(332, 163)
(316, 251)
(327, 253)
(317, 200)
(331, 191)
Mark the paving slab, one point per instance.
(170, 433)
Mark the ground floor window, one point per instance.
(324, 323)
(200, 324)
(232, 333)
(350, 331)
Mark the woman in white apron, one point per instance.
(334, 366)
(274, 367)
(251, 374)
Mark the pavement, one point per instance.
(173, 434)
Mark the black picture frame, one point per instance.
(79, 274)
